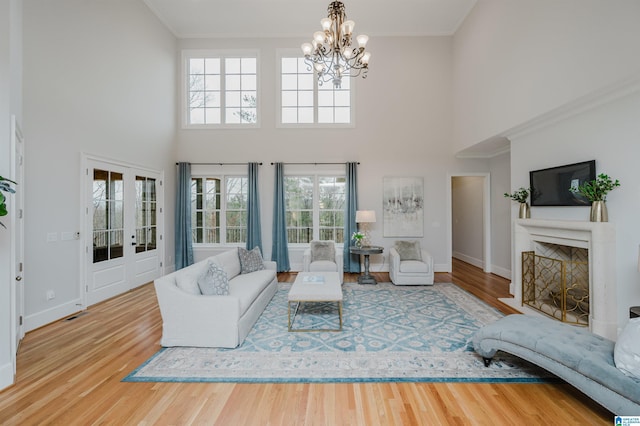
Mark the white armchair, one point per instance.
(323, 256)
(409, 264)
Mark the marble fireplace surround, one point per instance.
(599, 238)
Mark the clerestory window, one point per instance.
(304, 100)
(220, 89)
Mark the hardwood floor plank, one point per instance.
(70, 372)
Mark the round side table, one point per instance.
(366, 251)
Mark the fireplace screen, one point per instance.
(558, 288)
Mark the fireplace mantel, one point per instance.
(599, 238)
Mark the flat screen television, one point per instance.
(550, 187)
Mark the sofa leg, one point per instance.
(487, 361)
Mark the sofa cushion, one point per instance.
(411, 266)
(323, 250)
(187, 278)
(408, 250)
(229, 261)
(213, 281)
(250, 260)
(626, 353)
(247, 287)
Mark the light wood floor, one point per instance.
(70, 372)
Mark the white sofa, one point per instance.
(411, 272)
(193, 319)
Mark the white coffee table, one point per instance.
(315, 287)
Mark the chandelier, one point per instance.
(331, 53)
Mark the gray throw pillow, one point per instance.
(408, 250)
(250, 260)
(214, 281)
(323, 250)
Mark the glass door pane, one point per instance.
(108, 215)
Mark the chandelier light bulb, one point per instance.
(326, 23)
(347, 53)
(365, 58)
(362, 40)
(307, 48)
(347, 27)
(318, 37)
(319, 67)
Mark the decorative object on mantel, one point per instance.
(521, 196)
(596, 191)
(331, 53)
(5, 186)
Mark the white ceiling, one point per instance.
(300, 18)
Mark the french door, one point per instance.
(124, 228)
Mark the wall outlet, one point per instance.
(51, 295)
(52, 237)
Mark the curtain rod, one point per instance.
(312, 164)
(220, 164)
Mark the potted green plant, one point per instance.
(5, 186)
(596, 191)
(521, 196)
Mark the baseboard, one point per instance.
(503, 272)
(31, 322)
(468, 259)
(6, 376)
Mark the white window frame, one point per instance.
(316, 174)
(297, 53)
(222, 55)
(223, 208)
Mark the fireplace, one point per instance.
(597, 241)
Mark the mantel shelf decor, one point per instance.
(521, 196)
(596, 191)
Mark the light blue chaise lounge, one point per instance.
(574, 354)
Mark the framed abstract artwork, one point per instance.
(403, 206)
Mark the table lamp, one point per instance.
(364, 218)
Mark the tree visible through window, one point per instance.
(216, 219)
(315, 208)
(222, 90)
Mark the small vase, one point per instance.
(359, 243)
(599, 212)
(525, 211)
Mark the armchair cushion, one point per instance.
(323, 250)
(408, 250)
(214, 281)
(250, 260)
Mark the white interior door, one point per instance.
(124, 222)
(17, 236)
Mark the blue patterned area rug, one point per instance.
(390, 333)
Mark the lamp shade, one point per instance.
(365, 216)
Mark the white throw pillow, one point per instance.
(214, 281)
(626, 353)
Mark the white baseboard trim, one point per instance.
(31, 322)
(441, 267)
(468, 259)
(503, 272)
(6, 376)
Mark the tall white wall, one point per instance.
(99, 78)
(500, 169)
(403, 128)
(561, 80)
(517, 59)
(10, 104)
